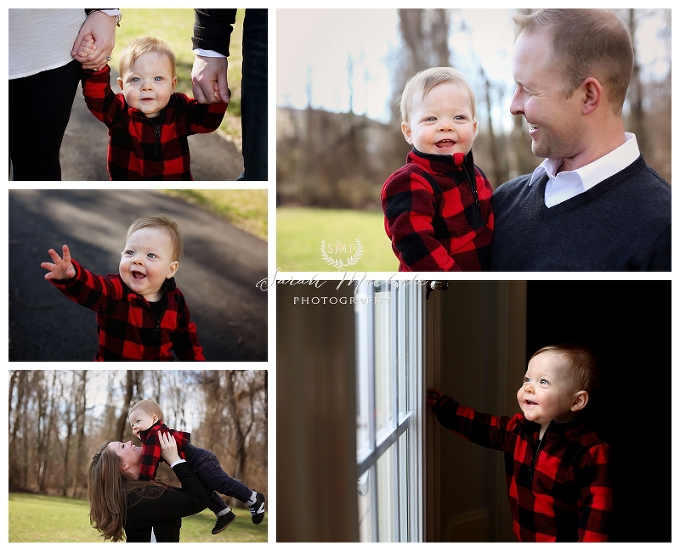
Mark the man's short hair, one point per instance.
(587, 43)
(141, 46)
(149, 407)
(424, 81)
(582, 364)
(163, 222)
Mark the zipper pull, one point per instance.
(157, 146)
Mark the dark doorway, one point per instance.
(628, 325)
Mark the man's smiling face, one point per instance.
(554, 119)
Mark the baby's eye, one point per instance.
(158, 79)
(134, 79)
(459, 118)
(430, 119)
(544, 381)
(128, 253)
(526, 379)
(152, 255)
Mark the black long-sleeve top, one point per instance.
(164, 513)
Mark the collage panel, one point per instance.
(474, 411)
(138, 94)
(131, 290)
(430, 140)
(138, 455)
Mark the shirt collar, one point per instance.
(570, 183)
(598, 170)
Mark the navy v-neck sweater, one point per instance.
(621, 224)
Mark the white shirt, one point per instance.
(41, 39)
(570, 183)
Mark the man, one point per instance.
(593, 204)
(212, 30)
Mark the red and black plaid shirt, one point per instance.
(127, 328)
(151, 449)
(148, 149)
(438, 213)
(558, 486)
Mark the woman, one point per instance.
(119, 503)
(45, 66)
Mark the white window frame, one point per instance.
(389, 342)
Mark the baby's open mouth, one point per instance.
(444, 143)
(137, 275)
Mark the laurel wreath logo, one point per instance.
(338, 263)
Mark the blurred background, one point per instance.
(59, 419)
(338, 133)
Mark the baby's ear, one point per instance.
(580, 400)
(120, 83)
(406, 131)
(172, 269)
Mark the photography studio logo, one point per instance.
(332, 253)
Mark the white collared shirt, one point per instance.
(570, 183)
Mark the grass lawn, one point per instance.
(301, 230)
(244, 208)
(176, 27)
(35, 518)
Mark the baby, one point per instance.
(438, 206)
(149, 123)
(146, 420)
(556, 466)
(141, 314)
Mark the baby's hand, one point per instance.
(433, 396)
(86, 47)
(62, 268)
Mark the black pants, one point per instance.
(254, 118)
(39, 110)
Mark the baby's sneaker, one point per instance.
(257, 509)
(223, 521)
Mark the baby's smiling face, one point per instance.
(140, 420)
(147, 261)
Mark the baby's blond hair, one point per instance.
(149, 407)
(164, 222)
(424, 81)
(141, 46)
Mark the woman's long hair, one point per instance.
(108, 491)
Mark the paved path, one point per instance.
(217, 275)
(83, 151)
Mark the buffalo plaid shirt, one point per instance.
(438, 217)
(127, 328)
(151, 449)
(148, 149)
(558, 486)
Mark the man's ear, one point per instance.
(172, 269)
(406, 131)
(120, 83)
(580, 400)
(592, 94)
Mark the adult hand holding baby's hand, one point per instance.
(100, 28)
(59, 268)
(433, 396)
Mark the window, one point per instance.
(389, 336)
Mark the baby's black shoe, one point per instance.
(223, 521)
(257, 509)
